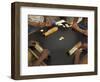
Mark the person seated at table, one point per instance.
(33, 61)
(81, 56)
(82, 28)
(44, 55)
(40, 21)
(35, 22)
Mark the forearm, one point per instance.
(77, 57)
(38, 62)
(44, 55)
(39, 24)
(81, 31)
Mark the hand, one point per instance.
(48, 24)
(85, 32)
(75, 26)
(77, 57)
(44, 54)
(77, 52)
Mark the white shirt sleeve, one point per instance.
(32, 18)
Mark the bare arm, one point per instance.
(76, 27)
(77, 57)
(43, 56)
(39, 24)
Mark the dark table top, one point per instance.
(56, 47)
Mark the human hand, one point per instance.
(75, 26)
(85, 32)
(77, 56)
(44, 54)
(48, 24)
